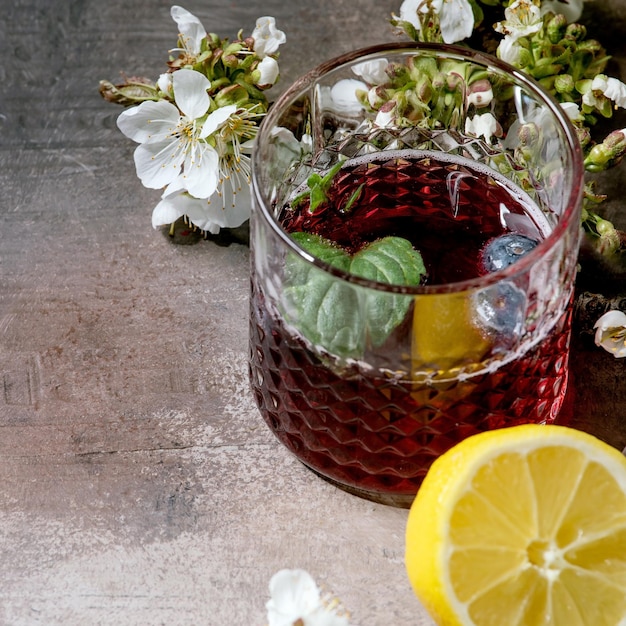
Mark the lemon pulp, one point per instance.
(525, 526)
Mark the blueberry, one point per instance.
(500, 252)
(501, 308)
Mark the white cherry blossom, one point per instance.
(608, 87)
(172, 139)
(572, 110)
(571, 9)
(190, 30)
(611, 333)
(484, 125)
(267, 38)
(509, 50)
(296, 599)
(268, 72)
(341, 97)
(612, 88)
(456, 18)
(522, 18)
(228, 210)
(373, 72)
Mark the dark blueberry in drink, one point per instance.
(501, 308)
(503, 251)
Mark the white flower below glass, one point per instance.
(297, 601)
(196, 125)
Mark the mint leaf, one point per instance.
(322, 308)
(342, 317)
(318, 186)
(394, 261)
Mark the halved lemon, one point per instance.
(523, 526)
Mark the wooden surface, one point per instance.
(139, 484)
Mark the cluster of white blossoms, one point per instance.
(196, 129)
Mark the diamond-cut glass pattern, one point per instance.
(376, 434)
(377, 437)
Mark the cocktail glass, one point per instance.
(367, 378)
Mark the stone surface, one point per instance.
(139, 484)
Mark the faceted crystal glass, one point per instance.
(368, 380)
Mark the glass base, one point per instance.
(398, 500)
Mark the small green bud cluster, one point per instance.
(232, 67)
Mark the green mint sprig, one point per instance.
(318, 187)
(341, 317)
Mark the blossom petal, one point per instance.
(456, 20)
(269, 70)
(484, 125)
(612, 319)
(190, 91)
(165, 212)
(149, 121)
(190, 27)
(611, 333)
(616, 90)
(216, 120)
(409, 10)
(509, 50)
(572, 110)
(372, 72)
(294, 595)
(158, 163)
(209, 215)
(267, 38)
(201, 171)
(164, 83)
(572, 9)
(343, 98)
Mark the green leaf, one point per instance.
(341, 317)
(394, 261)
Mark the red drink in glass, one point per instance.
(371, 430)
(366, 374)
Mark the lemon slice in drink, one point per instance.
(444, 335)
(523, 526)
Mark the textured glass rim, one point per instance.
(570, 213)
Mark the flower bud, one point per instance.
(611, 333)
(230, 60)
(424, 90)
(576, 31)
(213, 40)
(133, 91)
(583, 134)
(608, 241)
(480, 93)
(556, 28)
(608, 153)
(386, 116)
(233, 94)
(266, 73)
(564, 83)
(454, 81)
(528, 134)
(376, 97)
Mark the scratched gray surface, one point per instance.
(138, 484)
